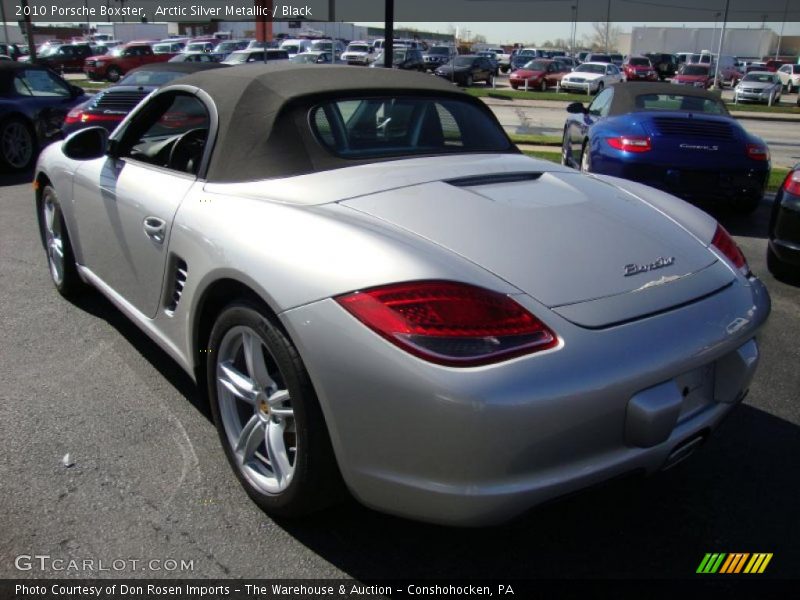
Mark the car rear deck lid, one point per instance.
(649, 300)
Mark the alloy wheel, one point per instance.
(54, 237)
(16, 144)
(256, 410)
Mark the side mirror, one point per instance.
(576, 108)
(86, 144)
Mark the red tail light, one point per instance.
(791, 184)
(724, 243)
(630, 143)
(757, 152)
(76, 115)
(449, 323)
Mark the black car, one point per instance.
(109, 107)
(33, 103)
(518, 61)
(666, 65)
(466, 70)
(783, 249)
(492, 56)
(408, 59)
(11, 50)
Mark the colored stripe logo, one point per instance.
(736, 562)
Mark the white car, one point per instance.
(294, 47)
(592, 77)
(503, 58)
(790, 77)
(358, 53)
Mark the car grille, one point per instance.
(576, 80)
(121, 101)
(713, 130)
(750, 90)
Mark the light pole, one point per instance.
(783, 23)
(608, 25)
(5, 25)
(719, 48)
(574, 29)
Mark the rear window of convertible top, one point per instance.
(371, 127)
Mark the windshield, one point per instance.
(639, 62)
(680, 102)
(227, 46)
(601, 58)
(199, 47)
(116, 51)
(358, 48)
(321, 45)
(587, 68)
(291, 48)
(162, 48)
(150, 78)
(305, 58)
(239, 57)
(487, 54)
(463, 61)
(366, 128)
(760, 77)
(695, 70)
(535, 65)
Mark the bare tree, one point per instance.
(603, 35)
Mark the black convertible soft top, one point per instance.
(625, 95)
(8, 69)
(259, 134)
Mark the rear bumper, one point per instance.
(784, 235)
(707, 184)
(482, 445)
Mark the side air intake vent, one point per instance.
(180, 272)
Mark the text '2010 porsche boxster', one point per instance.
(382, 295)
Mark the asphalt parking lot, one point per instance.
(150, 481)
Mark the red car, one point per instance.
(773, 65)
(639, 68)
(122, 59)
(539, 73)
(695, 75)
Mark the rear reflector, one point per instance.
(449, 323)
(630, 143)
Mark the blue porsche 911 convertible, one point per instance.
(678, 139)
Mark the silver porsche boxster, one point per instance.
(381, 295)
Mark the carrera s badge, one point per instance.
(659, 263)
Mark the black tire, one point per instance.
(65, 279)
(586, 158)
(779, 269)
(316, 482)
(113, 74)
(566, 150)
(18, 145)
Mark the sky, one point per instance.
(506, 33)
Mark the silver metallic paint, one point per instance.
(461, 446)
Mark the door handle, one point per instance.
(155, 228)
